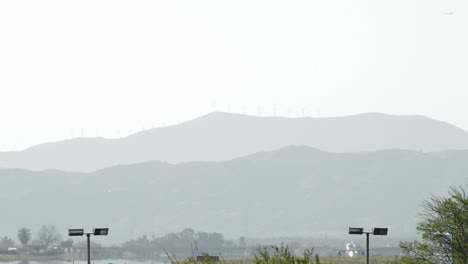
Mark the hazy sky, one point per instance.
(115, 67)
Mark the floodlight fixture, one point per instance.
(379, 231)
(101, 231)
(356, 231)
(76, 232)
(96, 232)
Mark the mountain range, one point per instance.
(294, 191)
(223, 136)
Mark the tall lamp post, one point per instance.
(378, 231)
(96, 232)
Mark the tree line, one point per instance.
(47, 238)
(49, 241)
(443, 228)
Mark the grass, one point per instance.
(327, 260)
(282, 255)
(266, 255)
(18, 257)
(313, 260)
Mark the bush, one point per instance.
(264, 255)
(282, 255)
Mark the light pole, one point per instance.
(96, 232)
(377, 231)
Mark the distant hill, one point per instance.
(291, 191)
(222, 136)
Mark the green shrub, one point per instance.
(282, 255)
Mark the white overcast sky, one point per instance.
(107, 66)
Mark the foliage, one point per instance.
(179, 243)
(282, 255)
(6, 242)
(187, 237)
(140, 247)
(444, 230)
(264, 255)
(209, 240)
(206, 258)
(67, 243)
(24, 236)
(47, 236)
(8, 258)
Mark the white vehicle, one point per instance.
(350, 251)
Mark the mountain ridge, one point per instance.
(222, 136)
(294, 190)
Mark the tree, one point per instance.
(6, 242)
(67, 243)
(210, 241)
(24, 236)
(141, 247)
(443, 229)
(47, 236)
(187, 235)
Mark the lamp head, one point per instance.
(356, 230)
(380, 231)
(101, 231)
(76, 232)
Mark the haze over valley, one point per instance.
(294, 190)
(261, 121)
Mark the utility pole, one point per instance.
(88, 236)
(367, 248)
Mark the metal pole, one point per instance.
(367, 248)
(89, 251)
